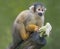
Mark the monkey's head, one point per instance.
(38, 8)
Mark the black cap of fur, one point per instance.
(36, 5)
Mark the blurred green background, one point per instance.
(9, 9)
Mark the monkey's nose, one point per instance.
(40, 14)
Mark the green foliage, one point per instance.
(9, 9)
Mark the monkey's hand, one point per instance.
(32, 27)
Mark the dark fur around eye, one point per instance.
(42, 9)
(38, 9)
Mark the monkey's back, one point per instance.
(26, 17)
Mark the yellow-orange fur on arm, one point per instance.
(31, 27)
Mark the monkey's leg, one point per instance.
(19, 35)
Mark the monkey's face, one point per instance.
(40, 10)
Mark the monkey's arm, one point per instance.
(25, 30)
(31, 27)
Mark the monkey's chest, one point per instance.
(34, 20)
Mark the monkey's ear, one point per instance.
(31, 8)
(45, 9)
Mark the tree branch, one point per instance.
(34, 42)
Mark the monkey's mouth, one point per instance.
(40, 14)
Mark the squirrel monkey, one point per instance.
(27, 22)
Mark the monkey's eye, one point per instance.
(38, 9)
(42, 9)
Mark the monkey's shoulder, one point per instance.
(23, 15)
